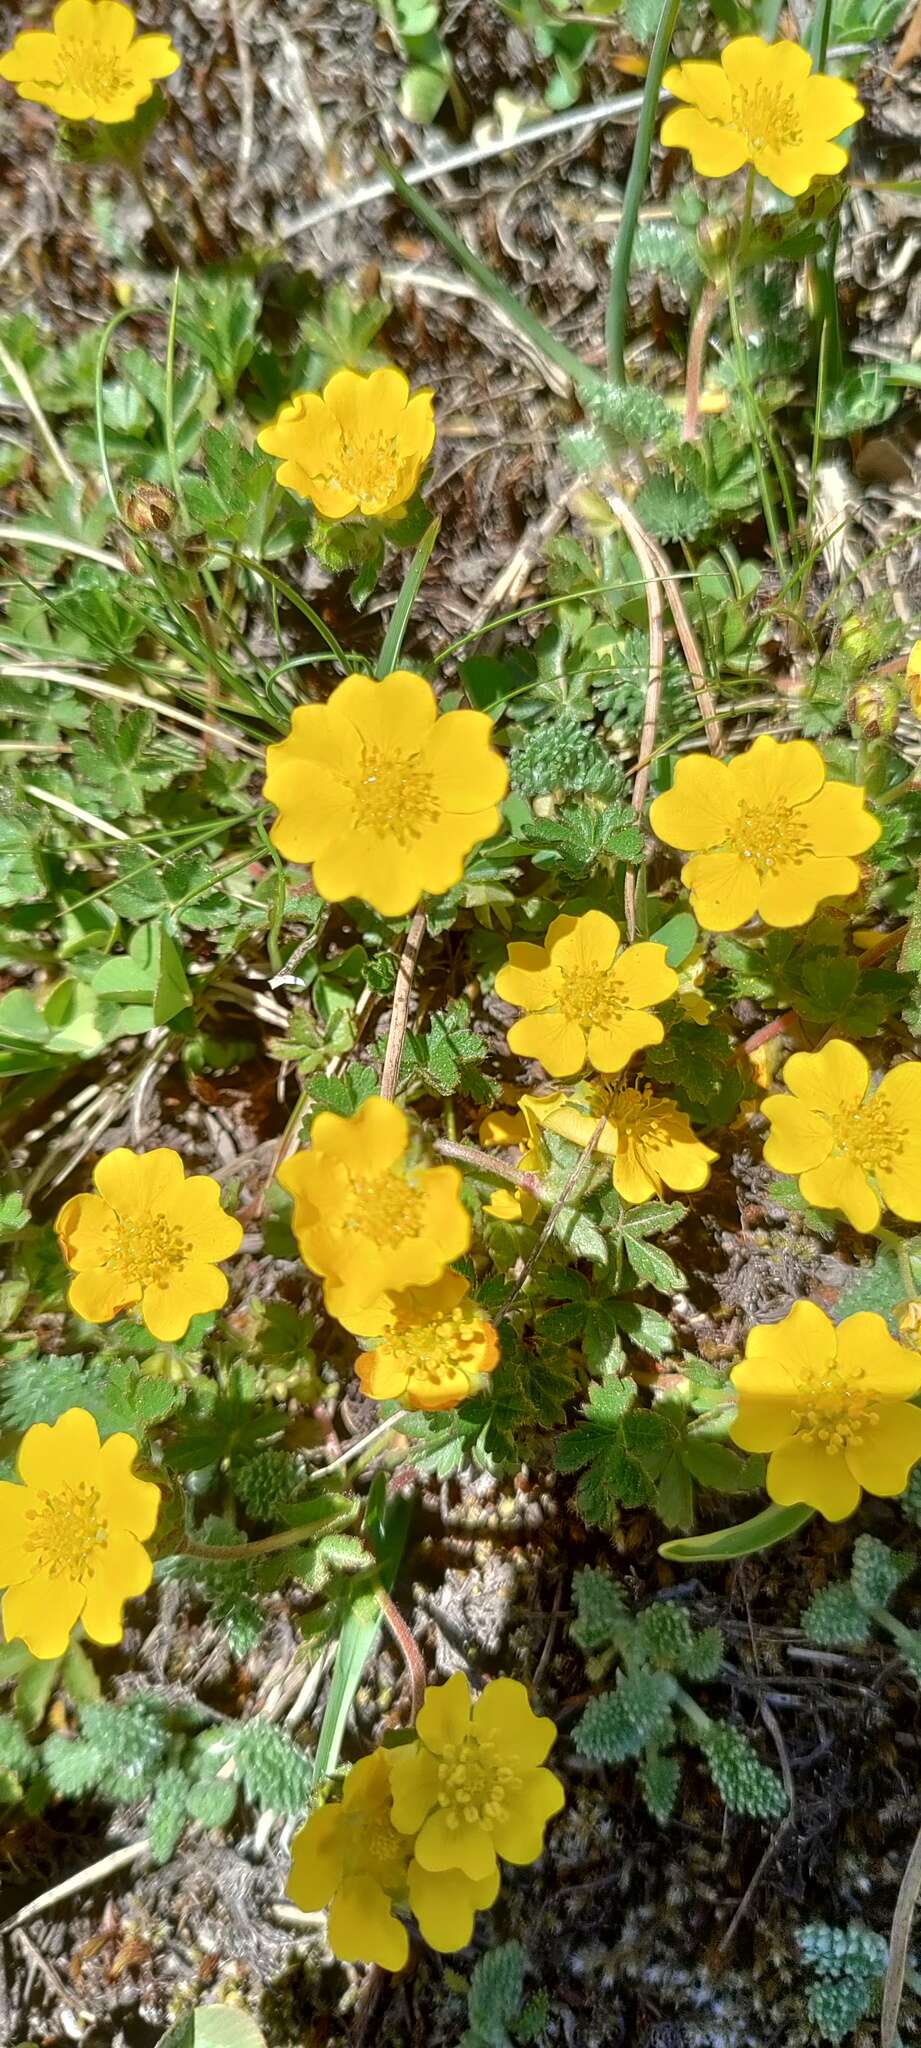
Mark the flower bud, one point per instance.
(150, 508)
(874, 706)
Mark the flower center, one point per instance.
(451, 1343)
(473, 1786)
(393, 796)
(834, 1412)
(384, 1207)
(100, 73)
(870, 1136)
(594, 996)
(67, 1530)
(771, 838)
(371, 469)
(375, 1848)
(148, 1251)
(768, 117)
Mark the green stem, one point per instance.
(689, 1707)
(755, 431)
(616, 319)
(908, 1639)
(817, 40)
(168, 244)
(745, 233)
(902, 1246)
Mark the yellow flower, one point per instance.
(848, 1145)
(832, 1406)
(514, 1127)
(762, 104)
(434, 1346)
(767, 832)
(470, 1788)
(368, 1219)
(91, 65)
(150, 1237)
(649, 1140)
(351, 1858)
(361, 446)
(585, 1001)
(71, 1534)
(913, 678)
(381, 794)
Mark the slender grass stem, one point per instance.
(618, 296)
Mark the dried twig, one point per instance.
(642, 548)
(81, 1881)
(18, 378)
(697, 346)
(399, 1015)
(579, 1173)
(898, 1946)
(691, 651)
(478, 1161)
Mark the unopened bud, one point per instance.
(717, 238)
(874, 706)
(150, 508)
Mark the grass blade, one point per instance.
(399, 617)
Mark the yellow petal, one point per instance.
(467, 773)
(444, 1903)
(878, 1364)
(126, 1502)
(367, 406)
(792, 896)
(139, 1184)
(113, 25)
(583, 945)
(370, 1142)
(642, 976)
(444, 1717)
(86, 1227)
(52, 1454)
(316, 1860)
(549, 1037)
(883, 1458)
(415, 429)
(414, 1783)
(798, 1137)
(804, 1472)
(761, 1425)
(837, 821)
(520, 1836)
(724, 890)
(701, 85)
(154, 57)
(503, 1715)
(631, 1177)
(831, 1081)
(697, 811)
(839, 1183)
(716, 152)
(466, 1847)
(206, 1227)
(778, 772)
(528, 980)
(35, 55)
(901, 1182)
(191, 1291)
(396, 714)
(17, 1559)
(122, 1570)
(98, 1295)
(42, 1612)
(363, 1928)
(612, 1047)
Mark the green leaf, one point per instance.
(773, 1525)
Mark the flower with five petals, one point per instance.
(650, 1142)
(434, 1346)
(360, 445)
(762, 104)
(91, 65)
(832, 1406)
(381, 794)
(149, 1238)
(851, 1147)
(471, 1787)
(767, 833)
(583, 998)
(72, 1533)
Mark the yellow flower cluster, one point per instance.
(831, 1405)
(72, 1531)
(91, 65)
(762, 104)
(381, 1229)
(424, 1825)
